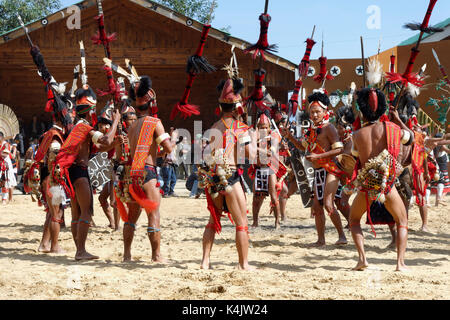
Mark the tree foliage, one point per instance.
(29, 10)
(196, 9)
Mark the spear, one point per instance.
(101, 37)
(26, 30)
(408, 76)
(363, 62)
(83, 64)
(441, 67)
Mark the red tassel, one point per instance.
(323, 71)
(262, 45)
(217, 111)
(121, 208)
(384, 118)
(294, 97)
(304, 64)
(215, 213)
(182, 107)
(141, 198)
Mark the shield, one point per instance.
(100, 170)
(304, 175)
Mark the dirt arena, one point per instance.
(287, 267)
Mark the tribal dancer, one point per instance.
(221, 177)
(70, 166)
(50, 144)
(104, 124)
(377, 146)
(7, 177)
(138, 186)
(37, 177)
(265, 178)
(120, 159)
(322, 145)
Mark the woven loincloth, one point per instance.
(378, 176)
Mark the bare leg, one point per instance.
(357, 209)
(256, 207)
(283, 201)
(209, 235)
(154, 233)
(344, 207)
(331, 186)
(134, 211)
(238, 208)
(103, 198)
(208, 241)
(274, 199)
(83, 193)
(319, 218)
(394, 236)
(45, 245)
(394, 205)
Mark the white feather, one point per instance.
(57, 195)
(374, 71)
(413, 90)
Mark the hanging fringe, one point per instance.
(141, 198)
(323, 71)
(182, 107)
(262, 45)
(121, 208)
(304, 64)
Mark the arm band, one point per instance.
(162, 137)
(406, 137)
(337, 145)
(97, 135)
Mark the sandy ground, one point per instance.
(287, 268)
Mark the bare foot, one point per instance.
(361, 265)
(205, 266)
(255, 225)
(85, 256)
(159, 259)
(391, 245)
(126, 258)
(341, 241)
(317, 244)
(277, 225)
(402, 268)
(246, 267)
(43, 249)
(57, 250)
(424, 228)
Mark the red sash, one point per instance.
(68, 154)
(141, 153)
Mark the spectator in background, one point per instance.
(168, 170)
(184, 149)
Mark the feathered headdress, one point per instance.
(374, 72)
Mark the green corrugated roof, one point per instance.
(414, 39)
